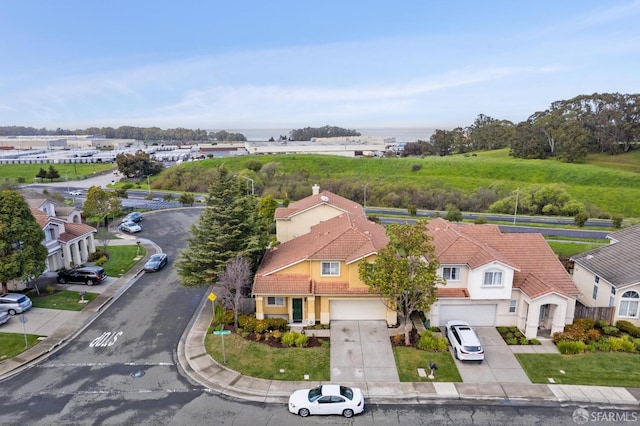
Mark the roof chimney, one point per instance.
(316, 189)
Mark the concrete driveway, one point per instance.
(499, 365)
(361, 352)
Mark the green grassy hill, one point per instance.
(605, 184)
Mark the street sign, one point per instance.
(212, 297)
(219, 332)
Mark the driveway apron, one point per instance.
(499, 366)
(361, 352)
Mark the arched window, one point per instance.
(629, 303)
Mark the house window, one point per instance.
(629, 303)
(594, 295)
(331, 268)
(512, 305)
(612, 301)
(597, 279)
(451, 273)
(275, 301)
(493, 278)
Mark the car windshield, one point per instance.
(346, 392)
(155, 258)
(315, 393)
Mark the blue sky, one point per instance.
(290, 64)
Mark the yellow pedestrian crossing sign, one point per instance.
(212, 297)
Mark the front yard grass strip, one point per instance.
(121, 259)
(591, 369)
(66, 300)
(263, 361)
(409, 359)
(11, 344)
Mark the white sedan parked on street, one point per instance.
(464, 340)
(130, 227)
(327, 399)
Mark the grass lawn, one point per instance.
(11, 344)
(263, 361)
(121, 259)
(568, 249)
(29, 171)
(66, 300)
(408, 360)
(594, 369)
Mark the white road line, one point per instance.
(106, 364)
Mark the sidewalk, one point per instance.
(219, 379)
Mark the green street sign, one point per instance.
(222, 332)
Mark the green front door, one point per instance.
(297, 310)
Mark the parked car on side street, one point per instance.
(14, 303)
(156, 262)
(88, 275)
(4, 317)
(75, 192)
(133, 217)
(464, 340)
(327, 399)
(130, 227)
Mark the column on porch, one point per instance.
(84, 253)
(325, 314)
(75, 250)
(92, 244)
(311, 310)
(557, 320)
(533, 320)
(66, 252)
(259, 307)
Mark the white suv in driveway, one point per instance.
(464, 340)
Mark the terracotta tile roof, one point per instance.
(324, 197)
(343, 237)
(451, 292)
(537, 269)
(282, 284)
(41, 217)
(75, 230)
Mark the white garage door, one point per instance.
(371, 309)
(477, 315)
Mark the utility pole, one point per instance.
(365, 196)
(515, 211)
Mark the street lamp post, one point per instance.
(149, 184)
(365, 196)
(515, 211)
(249, 179)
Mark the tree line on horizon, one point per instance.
(567, 130)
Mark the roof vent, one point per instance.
(589, 257)
(324, 198)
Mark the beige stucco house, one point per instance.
(609, 276)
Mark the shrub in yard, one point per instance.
(429, 342)
(324, 343)
(509, 335)
(50, 289)
(622, 344)
(524, 341)
(571, 348)
(277, 334)
(592, 335)
(97, 255)
(603, 345)
(535, 342)
(244, 334)
(636, 343)
(398, 339)
(257, 336)
(610, 331)
(302, 340)
(288, 338)
(435, 329)
(628, 328)
(261, 326)
(502, 330)
(584, 323)
(102, 261)
(601, 324)
(277, 324)
(267, 337)
(512, 341)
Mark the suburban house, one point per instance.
(68, 240)
(491, 278)
(312, 276)
(609, 276)
(500, 279)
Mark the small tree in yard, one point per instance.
(405, 272)
(233, 282)
(100, 204)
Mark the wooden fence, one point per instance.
(595, 313)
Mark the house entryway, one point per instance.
(296, 307)
(361, 352)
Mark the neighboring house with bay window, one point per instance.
(609, 276)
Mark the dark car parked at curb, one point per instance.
(156, 262)
(88, 275)
(133, 217)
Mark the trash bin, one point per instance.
(427, 323)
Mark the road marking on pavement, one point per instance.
(108, 338)
(106, 364)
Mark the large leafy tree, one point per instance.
(137, 165)
(22, 255)
(101, 204)
(228, 227)
(405, 272)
